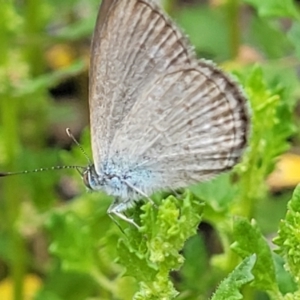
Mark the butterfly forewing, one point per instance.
(133, 45)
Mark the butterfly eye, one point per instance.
(87, 179)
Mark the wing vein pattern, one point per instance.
(154, 106)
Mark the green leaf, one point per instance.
(288, 238)
(276, 45)
(80, 29)
(285, 279)
(195, 266)
(250, 240)
(152, 252)
(60, 286)
(72, 241)
(268, 139)
(275, 8)
(229, 287)
(49, 80)
(77, 238)
(218, 195)
(294, 37)
(211, 25)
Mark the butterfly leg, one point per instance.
(140, 192)
(117, 209)
(178, 193)
(116, 222)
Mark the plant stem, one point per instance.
(8, 116)
(33, 27)
(233, 27)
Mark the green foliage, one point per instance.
(275, 8)
(250, 240)
(229, 287)
(150, 254)
(288, 238)
(87, 255)
(268, 139)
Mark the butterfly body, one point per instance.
(119, 180)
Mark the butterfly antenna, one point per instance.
(69, 133)
(78, 168)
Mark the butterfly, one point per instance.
(160, 118)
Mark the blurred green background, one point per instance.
(56, 241)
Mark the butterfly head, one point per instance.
(91, 179)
